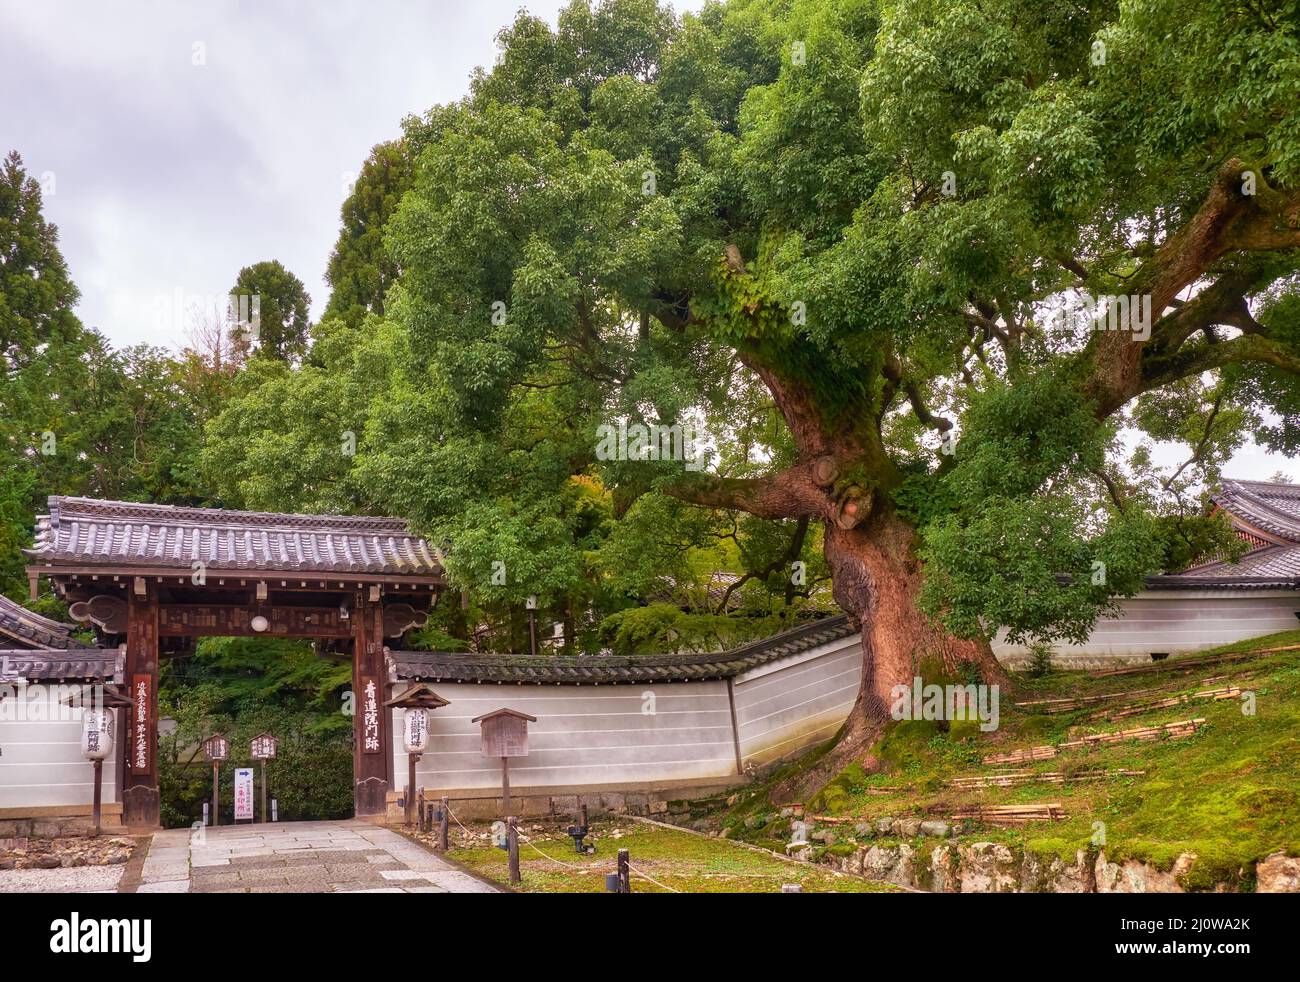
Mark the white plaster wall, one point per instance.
(584, 735)
(1173, 622)
(40, 759)
(790, 705)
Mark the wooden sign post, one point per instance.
(505, 735)
(263, 749)
(217, 748)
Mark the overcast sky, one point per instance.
(179, 141)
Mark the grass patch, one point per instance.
(681, 861)
(1229, 793)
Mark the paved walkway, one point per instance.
(298, 857)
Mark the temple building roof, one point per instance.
(1267, 516)
(89, 534)
(22, 628)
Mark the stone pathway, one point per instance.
(298, 857)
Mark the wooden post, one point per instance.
(532, 631)
(444, 819)
(410, 789)
(141, 801)
(419, 810)
(624, 872)
(99, 788)
(505, 785)
(264, 814)
(512, 849)
(216, 793)
(372, 762)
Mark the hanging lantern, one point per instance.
(415, 730)
(96, 734)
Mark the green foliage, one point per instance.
(360, 271)
(283, 316)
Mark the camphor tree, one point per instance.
(880, 221)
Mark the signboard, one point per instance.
(141, 724)
(505, 733)
(216, 747)
(96, 735)
(264, 747)
(370, 742)
(243, 793)
(415, 730)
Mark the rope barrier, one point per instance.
(559, 862)
(644, 876)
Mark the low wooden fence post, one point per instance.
(512, 849)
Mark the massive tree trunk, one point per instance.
(877, 579)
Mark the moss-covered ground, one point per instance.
(663, 860)
(1230, 793)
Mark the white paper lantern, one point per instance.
(415, 730)
(96, 734)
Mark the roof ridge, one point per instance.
(140, 511)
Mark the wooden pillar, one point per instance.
(372, 751)
(140, 798)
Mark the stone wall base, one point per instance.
(994, 867)
(52, 822)
(534, 804)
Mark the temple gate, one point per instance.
(154, 578)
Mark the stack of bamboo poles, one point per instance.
(1122, 712)
(1171, 730)
(1028, 777)
(1012, 814)
(1182, 664)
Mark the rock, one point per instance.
(1279, 873)
(864, 829)
(787, 812)
(117, 857)
(907, 828)
(1137, 877)
(824, 836)
(799, 850)
(658, 807)
(884, 826)
(1050, 874)
(944, 865)
(935, 829)
(755, 821)
(73, 860)
(7, 863)
(988, 867)
(46, 862)
(892, 864)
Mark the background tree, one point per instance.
(850, 240)
(284, 317)
(360, 270)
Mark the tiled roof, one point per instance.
(440, 666)
(21, 627)
(57, 664)
(89, 532)
(1254, 507)
(1269, 507)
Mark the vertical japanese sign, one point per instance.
(141, 724)
(370, 715)
(243, 793)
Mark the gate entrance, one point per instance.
(154, 578)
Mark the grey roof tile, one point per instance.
(90, 532)
(23, 628)
(445, 666)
